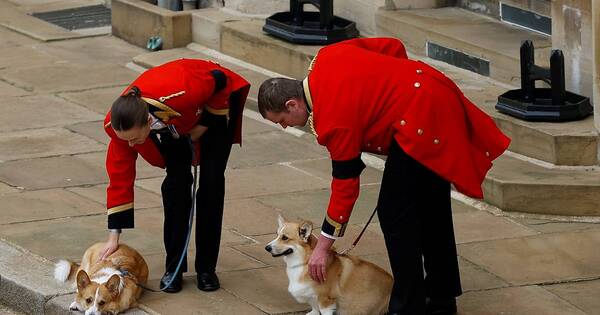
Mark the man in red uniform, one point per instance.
(364, 95)
(167, 113)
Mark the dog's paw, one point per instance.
(75, 306)
(313, 312)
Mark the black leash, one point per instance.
(344, 252)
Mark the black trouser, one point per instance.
(416, 219)
(215, 146)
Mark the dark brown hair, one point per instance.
(129, 111)
(274, 92)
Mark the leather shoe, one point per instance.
(439, 306)
(208, 281)
(175, 285)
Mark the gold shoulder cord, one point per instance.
(309, 98)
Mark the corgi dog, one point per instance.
(105, 287)
(352, 285)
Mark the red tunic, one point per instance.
(175, 92)
(365, 92)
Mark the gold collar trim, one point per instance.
(165, 113)
(308, 97)
(307, 93)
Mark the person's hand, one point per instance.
(111, 246)
(317, 264)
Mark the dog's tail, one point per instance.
(64, 270)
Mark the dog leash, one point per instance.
(190, 224)
(344, 252)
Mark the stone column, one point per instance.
(596, 62)
(572, 33)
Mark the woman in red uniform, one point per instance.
(365, 95)
(167, 113)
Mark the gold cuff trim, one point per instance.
(120, 208)
(339, 228)
(166, 112)
(221, 112)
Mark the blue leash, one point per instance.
(187, 241)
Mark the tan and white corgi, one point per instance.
(105, 287)
(353, 286)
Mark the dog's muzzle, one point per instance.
(269, 249)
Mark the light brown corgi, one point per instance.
(353, 286)
(105, 287)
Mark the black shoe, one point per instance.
(208, 281)
(441, 306)
(175, 286)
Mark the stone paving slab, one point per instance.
(267, 180)
(251, 126)
(322, 168)
(271, 296)
(193, 301)
(475, 278)
(476, 226)
(67, 77)
(4, 189)
(583, 294)
(229, 260)
(515, 301)
(11, 39)
(91, 129)
(249, 154)
(312, 204)
(8, 90)
(17, 110)
(249, 217)
(53, 172)
(30, 55)
(44, 142)
(103, 48)
(97, 100)
(538, 259)
(143, 199)
(549, 226)
(42, 205)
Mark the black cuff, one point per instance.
(121, 220)
(220, 80)
(333, 228)
(347, 169)
(209, 119)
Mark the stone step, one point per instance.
(512, 184)
(465, 39)
(517, 185)
(572, 143)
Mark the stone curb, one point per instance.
(27, 283)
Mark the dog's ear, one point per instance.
(113, 284)
(280, 221)
(83, 280)
(305, 230)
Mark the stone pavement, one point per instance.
(52, 190)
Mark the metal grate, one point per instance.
(77, 18)
(526, 19)
(459, 59)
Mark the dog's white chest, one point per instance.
(301, 291)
